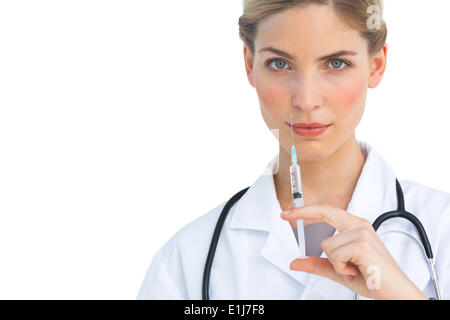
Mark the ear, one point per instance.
(248, 60)
(377, 67)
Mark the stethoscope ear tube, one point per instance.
(413, 219)
(402, 213)
(423, 238)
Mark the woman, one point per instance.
(314, 60)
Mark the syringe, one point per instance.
(297, 193)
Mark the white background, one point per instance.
(122, 121)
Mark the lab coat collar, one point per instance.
(259, 209)
(375, 191)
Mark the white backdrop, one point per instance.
(122, 121)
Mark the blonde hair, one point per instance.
(356, 13)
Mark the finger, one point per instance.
(345, 259)
(315, 265)
(350, 270)
(324, 268)
(336, 217)
(349, 278)
(332, 243)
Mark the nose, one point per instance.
(306, 92)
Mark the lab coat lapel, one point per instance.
(281, 248)
(374, 194)
(259, 209)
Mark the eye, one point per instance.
(337, 63)
(278, 63)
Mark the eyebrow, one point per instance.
(330, 56)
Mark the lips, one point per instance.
(310, 132)
(313, 129)
(314, 125)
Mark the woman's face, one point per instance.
(306, 83)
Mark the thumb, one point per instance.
(315, 265)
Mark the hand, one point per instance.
(357, 258)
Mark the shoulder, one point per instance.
(177, 266)
(431, 206)
(425, 197)
(201, 227)
(194, 237)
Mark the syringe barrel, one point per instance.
(296, 186)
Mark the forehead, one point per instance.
(312, 30)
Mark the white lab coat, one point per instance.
(256, 246)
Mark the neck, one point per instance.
(329, 181)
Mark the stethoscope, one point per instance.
(399, 213)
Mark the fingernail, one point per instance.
(285, 212)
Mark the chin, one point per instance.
(313, 150)
(313, 157)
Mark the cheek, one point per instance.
(271, 95)
(350, 100)
(273, 99)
